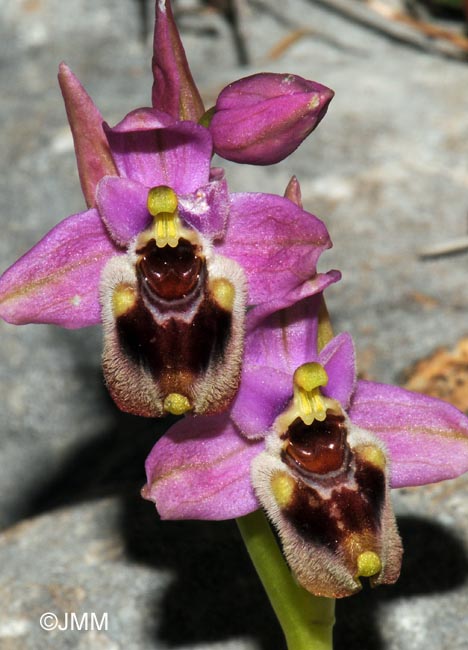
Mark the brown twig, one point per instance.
(285, 43)
(431, 31)
(445, 248)
(411, 31)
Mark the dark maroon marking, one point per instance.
(170, 273)
(371, 481)
(175, 345)
(317, 448)
(316, 518)
(309, 514)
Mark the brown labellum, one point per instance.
(325, 487)
(173, 328)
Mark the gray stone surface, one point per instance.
(118, 561)
(387, 170)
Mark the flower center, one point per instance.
(308, 399)
(170, 264)
(319, 447)
(171, 273)
(162, 206)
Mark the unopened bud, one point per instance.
(263, 118)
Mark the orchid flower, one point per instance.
(212, 305)
(312, 445)
(164, 256)
(316, 448)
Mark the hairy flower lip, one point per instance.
(336, 525)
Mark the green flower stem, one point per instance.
(307, 621)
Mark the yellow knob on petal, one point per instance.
(224, 293)
(176, 404)
(123, 299)
(282, 486)
(373, 455)
(368, 564)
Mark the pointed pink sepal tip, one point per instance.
(93, 155)
(174, 90)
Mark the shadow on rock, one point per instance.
(434, 562)
(145, 9)
(110, 464)
(215, 595)
(111, 461)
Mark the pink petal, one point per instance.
(92, 150)
(122, 204)
(427, 438)
(339, 360)
(311, 287)
(264, 392)
(174, 90)
(200, 469)
(57, 280)
(286, 339)
(149, 147)
(273, 351)
(276, 243)
(207, 209)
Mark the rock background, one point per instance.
(387, 170)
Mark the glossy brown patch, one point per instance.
(318, 448)
(170, 273)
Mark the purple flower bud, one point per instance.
(263, 118)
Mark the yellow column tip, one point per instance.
(310, 376)
(161, 199)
